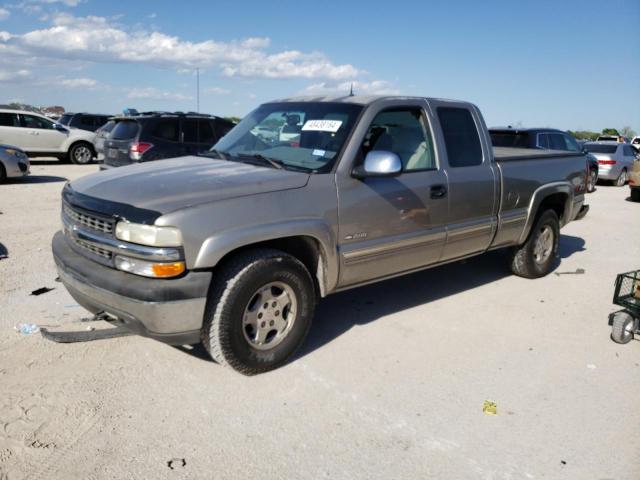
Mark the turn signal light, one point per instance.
(164, 270)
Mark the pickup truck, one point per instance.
(234, 247)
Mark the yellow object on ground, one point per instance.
(490, 408)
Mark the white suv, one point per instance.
(40, 137)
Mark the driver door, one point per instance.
(389, 225)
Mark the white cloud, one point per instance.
(375, 87)
(217, 91)
(152, 15)
(12, 76)
(4, 14)
(78, 82)
(97, 39)
(156, 94)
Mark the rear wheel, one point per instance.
(81, 153)
(259, 311)
(622, 327)
(591, 181)
(622, 178)
(535, 257)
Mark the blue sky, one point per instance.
(569, 64)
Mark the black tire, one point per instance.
(523, 261)
(233, 290)
(81, 153)
(622, 179)
(3, 174)
(622, 327)
(635, 194)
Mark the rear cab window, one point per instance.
(594, 148)
(461, 137)
(506, 138)
(125, 130)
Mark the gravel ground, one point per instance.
(390, 384)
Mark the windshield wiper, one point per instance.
(221, 155)
(258, 156)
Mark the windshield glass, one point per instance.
(65, 119)
(595, 148)
(305, 135)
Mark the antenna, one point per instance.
(198, 90)
(351, 90)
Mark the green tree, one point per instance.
(233, 119)
(610, 131)
(627, 132)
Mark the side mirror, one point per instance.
(379, 163)
(60, 128)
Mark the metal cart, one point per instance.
(626, 323)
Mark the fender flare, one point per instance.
(536, 200)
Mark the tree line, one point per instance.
(588, 135)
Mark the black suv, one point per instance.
(545, 139)
(158, 135)
(85, 121)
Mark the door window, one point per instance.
(461, 137)
(166, 129)
(556, 142)
(543, 141)
(405, 132)
(9, 120)
(198, 130)
(570, 144)
(31, 121)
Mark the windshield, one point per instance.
(307, 135)
(65, 119)
(595, 148)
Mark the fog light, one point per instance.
(149, 269)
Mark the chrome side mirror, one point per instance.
(379, 163)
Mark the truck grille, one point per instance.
(101, 252)
(89, 221)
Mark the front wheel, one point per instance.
(259, 311)
(622, 178)
(80, 153)
(622, 327)
(535, 257)
(591, 181)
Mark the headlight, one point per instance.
(149, 234)
(15, 153)
(149, 269)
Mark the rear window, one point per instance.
(125, 130)
(198, 131)
(461, 137)
(65, 119)
(9, 120)
(594, 148)
(510, 139)
(107, 127)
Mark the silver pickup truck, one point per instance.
(234, 247)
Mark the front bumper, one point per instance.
(169, 310)
(16, 168)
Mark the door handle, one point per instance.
(438, 191)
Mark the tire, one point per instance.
(235, 302)
(591, 181)
(81, 153)
(622, 327)
(535, 257)
(635, 194)
(622, 178)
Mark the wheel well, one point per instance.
(89, 144)
(556, 202)
(305, 248)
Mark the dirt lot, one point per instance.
(390, 384)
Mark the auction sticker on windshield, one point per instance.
(322, 126)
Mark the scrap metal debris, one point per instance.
(579, 271)
(85, 335)
(176, 462)
(490, 408)
(42, 290)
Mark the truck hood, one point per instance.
(164, 186)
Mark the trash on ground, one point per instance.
(490, 408)
(579, 271)
(176, 462)
(57, 279)
(42, 290)
(591, 366)
(84, 335)
(27, 328)
(72, 305)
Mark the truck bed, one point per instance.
(505, 154)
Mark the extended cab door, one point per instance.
(472, 177)
(392, 224)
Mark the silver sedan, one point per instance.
(13, 162)
(614, 160)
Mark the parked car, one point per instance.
(635, 144)
(85, 121)
(634, 180)
(614, 160)
(545, 139)
(101, 134)
(13, 162)
(234, 247)
(40, 137)
(612, 138)
(155, 136)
